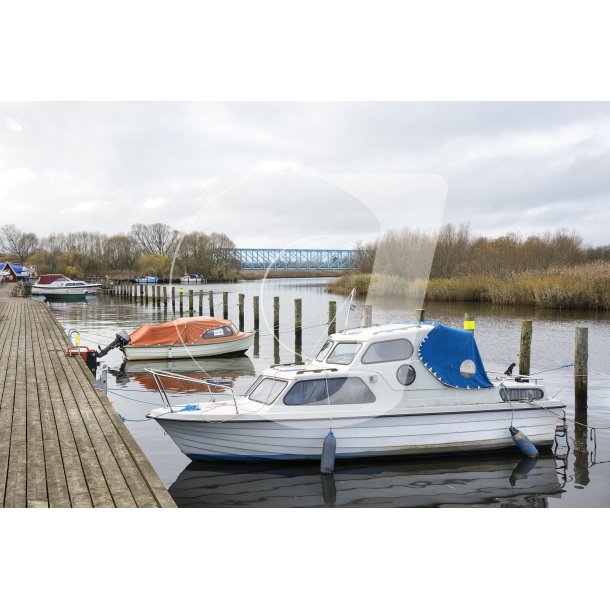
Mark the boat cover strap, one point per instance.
(452, 356)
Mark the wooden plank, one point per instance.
(7, 371)
(57, 482)
(94, 473)
(36, 488)
(76, 481)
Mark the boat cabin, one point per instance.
(393, 364)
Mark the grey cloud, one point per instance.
(508, 166)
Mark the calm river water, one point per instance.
(563, 478)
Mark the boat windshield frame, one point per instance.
(276, 395)
(358, 345)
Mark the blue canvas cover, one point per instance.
(442, 352)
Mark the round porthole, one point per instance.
(468, 369)
(405, 374)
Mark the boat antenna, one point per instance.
(350, 307)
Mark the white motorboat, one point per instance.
(197, 337)
(397, 389)
(58, 286)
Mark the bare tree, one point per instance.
(157, 239)
(17, 243)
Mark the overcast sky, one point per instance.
(325, 174)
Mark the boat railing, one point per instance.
(159, 375)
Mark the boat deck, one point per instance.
(62, 444)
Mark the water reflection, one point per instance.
(581, 452)
(217, 370)
(481, 481)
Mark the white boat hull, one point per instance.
(246, 437)
(63, 291)
(170, 352)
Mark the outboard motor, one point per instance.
(120, 341)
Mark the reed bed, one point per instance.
(585, 286)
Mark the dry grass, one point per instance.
(585, 286)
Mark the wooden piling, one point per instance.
(146, 294)
(276, 316)
(332, 317)
(225, 305)
(181, 300)
(141, 294)
(191, 310)
(158, 290)
(173, 299)
(211, 302)
(164, 297)
(298, 330)
(255, 306)
(581, 357)
(420, 315)
(241, 300)
(201, 302)
(368, 315)
(525, 347)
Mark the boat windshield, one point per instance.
(267, 390)
(344, 353)
(215, 333)
(325, 349)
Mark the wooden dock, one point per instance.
(62, 444)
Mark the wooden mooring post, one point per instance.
(158, 291)
(211, 302)
(276, 317)
(164, 297)
(469, 322)
(241, 301)
(368, 316)
(332, 317)
(255, 306)
(581, 357)
(146, 293)
(141, 294)
(298, 330)
(181, 300)
(173, 299)
(225, 305)
(201, 302)
(420, 315)
(191, 310)
(525, 347)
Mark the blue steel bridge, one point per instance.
(295, 259)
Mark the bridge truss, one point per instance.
(295, 259)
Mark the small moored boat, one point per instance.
(58, 286)
(396, 389)
(147, 280)
(196, 337)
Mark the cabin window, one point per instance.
(215, 333)
(405, 374)
(267, 390)
(343, 353)
(468, 369)
(325, 349)
(521, 394)
(337, 391)
(388, 351)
